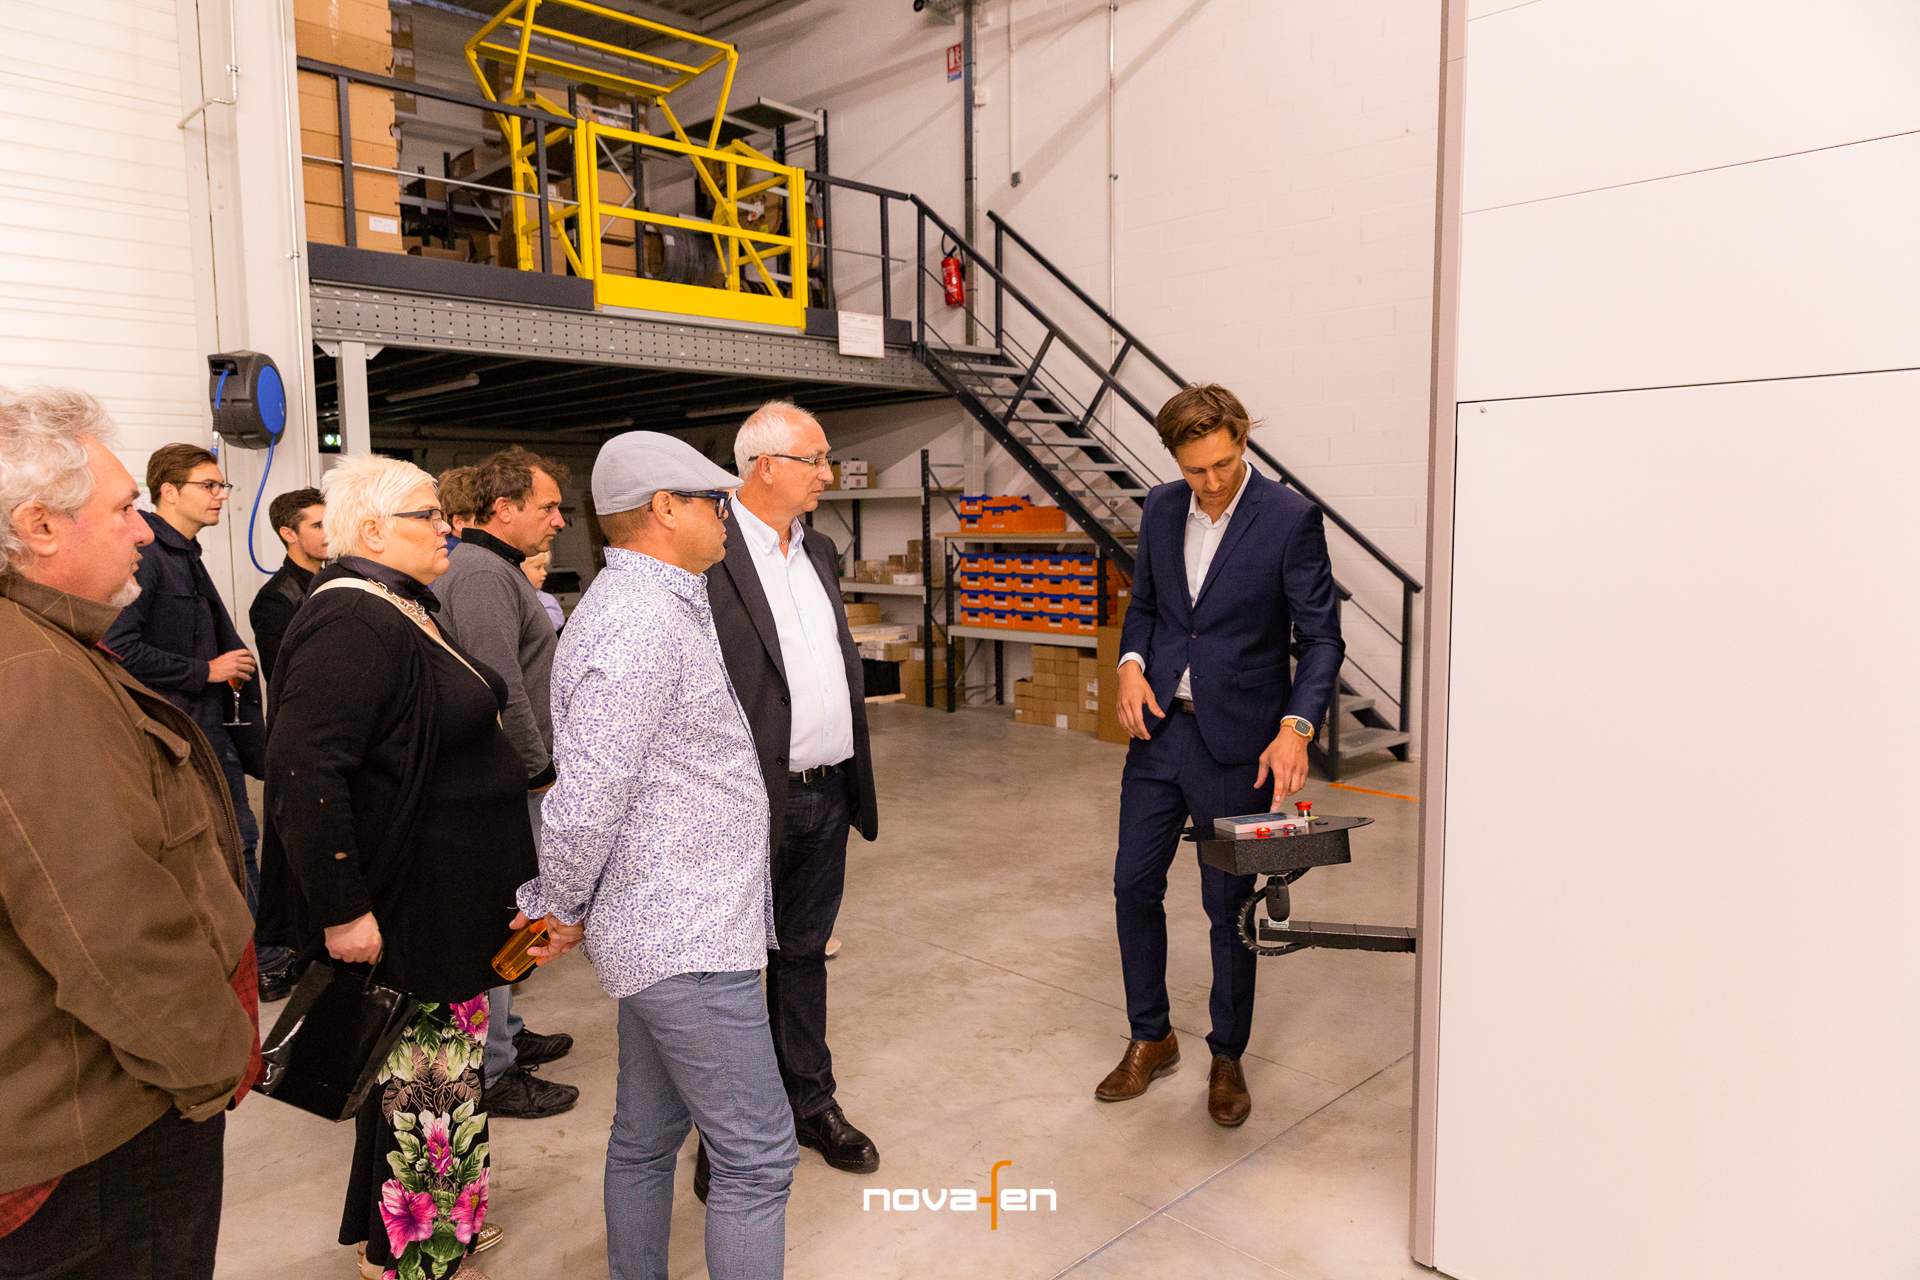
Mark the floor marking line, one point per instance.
(1369, 791)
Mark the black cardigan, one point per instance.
(352, 754)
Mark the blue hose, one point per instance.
(255, 512)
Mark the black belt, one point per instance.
(1184, 706)
(814, 777)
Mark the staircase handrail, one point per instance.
(1028, 303)
(1285, 473)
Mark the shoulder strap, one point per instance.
(432, 632)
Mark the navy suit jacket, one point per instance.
(1268, 595)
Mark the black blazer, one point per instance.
(750, 644)
(1268, 595)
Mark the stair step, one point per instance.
(1353, 706)
(1041, 415)
(1354, 742)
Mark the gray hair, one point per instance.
(365, 486)
(43, 455)
(770, 429)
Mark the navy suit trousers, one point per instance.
(1169, 779)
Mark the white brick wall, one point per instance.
(1274, 206)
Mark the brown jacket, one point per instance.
(121, 913)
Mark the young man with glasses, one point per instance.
(178, 639)
(656, 839)
(783, 630)
(511, 507)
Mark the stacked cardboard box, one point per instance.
(1108, 664)
(401, 13)
(850, 473)
(913, 671)
(356, 34)
(1064, 692)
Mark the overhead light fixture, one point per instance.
(438, 388)
(725, 410)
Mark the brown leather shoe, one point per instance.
(1144, 1061)
(1227, 1100)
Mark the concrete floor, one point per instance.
(975, 1004)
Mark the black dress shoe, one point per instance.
(531, 1048)
(844, 1146)
(521, 1095)
(702, 1174)
(278, 984)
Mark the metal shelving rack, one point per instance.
(1001, 636)
(924, 494)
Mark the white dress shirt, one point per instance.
(809, 627)
(1203, 540)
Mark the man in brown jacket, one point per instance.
(123, 927)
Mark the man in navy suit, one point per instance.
(1231, 578)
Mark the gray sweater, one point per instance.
(490, 609)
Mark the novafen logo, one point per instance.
(964, 1199)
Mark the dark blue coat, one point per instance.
(1268, 595)
(179, 625)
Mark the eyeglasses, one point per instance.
(214, 488)
(432, 515)
(719, 497)
(814, 460)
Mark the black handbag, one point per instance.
(332, 1038)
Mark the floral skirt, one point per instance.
(418, 1192)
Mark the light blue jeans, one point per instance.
(503, 1024)
(695, 1049)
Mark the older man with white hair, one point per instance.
(783, 628)
(125, 939)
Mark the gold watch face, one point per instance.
(1302, 728)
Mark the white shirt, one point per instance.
(808, 624)
(1203, 540)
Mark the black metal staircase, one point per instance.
(1052, 405)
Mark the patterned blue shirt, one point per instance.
(656, 832)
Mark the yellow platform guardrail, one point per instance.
(750, 287)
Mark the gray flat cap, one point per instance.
(633, 467)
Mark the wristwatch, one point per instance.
(1300, 726)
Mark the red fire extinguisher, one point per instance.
(956, 284)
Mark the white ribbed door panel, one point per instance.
(96, 275)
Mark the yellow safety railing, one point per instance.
(750, 288)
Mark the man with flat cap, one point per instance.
(656, 838)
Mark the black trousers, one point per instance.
(809, 871)
(147, 1210)
(1167, 780)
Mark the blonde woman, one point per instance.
(535, 567)
(397, 834)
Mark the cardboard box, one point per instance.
(343, 49)
(1108, 726)
(327, 224)
(370, 106)
(368, 19)
(372, 192)
(382, 152)
(865, 614)
(913, 681)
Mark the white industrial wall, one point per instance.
(1273, 209)
(132, 247)
(96, 272)
(1668, 998)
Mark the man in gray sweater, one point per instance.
(489, 608)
